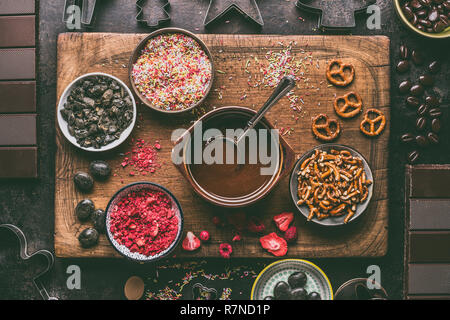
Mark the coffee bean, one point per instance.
(416, 5)
(415, 20)
(432, 101)
(404, 52)
(422, 141)
(421, 27)
(434, 67)
(413, 156)
(421, 123)
(407, 11)
(417, 90)
(436, 125)
(425, 3)
(438, 1)
(446, 5)
(433, 138)
(404, 86)
(425, 23)
(417, 57)
(407, 138)
(403, 66)
(438, 27)
(412, 102)
(422, 13)
(435, 113)
(422, 110)
(426, 80)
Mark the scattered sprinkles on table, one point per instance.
(173, 72)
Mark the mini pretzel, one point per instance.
(373, 131)
(323, 131)
(354, 106)
(338, 76)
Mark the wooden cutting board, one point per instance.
(80, 53)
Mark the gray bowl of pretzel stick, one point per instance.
(331, 185)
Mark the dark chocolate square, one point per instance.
(429, 214)
(17, 96)
(429, 279)
(17, 31)
(17, 6)
(429, 246)
(18, 162)
(17, 64)
(18, 130)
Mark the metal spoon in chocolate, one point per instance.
(285, 85)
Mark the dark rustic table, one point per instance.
(30, 204)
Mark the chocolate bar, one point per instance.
(429, 181)
(17, 31)
(429, 279)
(426, 246)
(17, 64)
(429, 214)
(427, 234)
(17, 96)
(18, 130)
(17, 6)
(18, 162)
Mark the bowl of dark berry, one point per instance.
(96, 112)
(429, 18)
(292, 279)
(171, 70)
(144, 222)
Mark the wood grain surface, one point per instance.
(80, 53)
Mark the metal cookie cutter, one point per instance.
(146, 12)
(218, 8)
(25, 256)
(336, 14)
(87, 10)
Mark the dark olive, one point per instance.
(299, 294)
(99, 219)
(269, 298)
(314, 296)
(84, 210)
(88, 237)
(297, 280)
(282, 291)
(83, 181)
(100, 170)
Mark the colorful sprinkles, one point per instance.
(173, 72)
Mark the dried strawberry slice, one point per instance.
(274, 244)
(191, 242)
(283, 220)
(254, 225)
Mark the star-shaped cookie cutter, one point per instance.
(141, 4)
(224, 6)
(336, 14)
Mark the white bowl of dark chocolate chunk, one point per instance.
(96, 112)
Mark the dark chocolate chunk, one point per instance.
(17, 96)
(429, 214)
(18, 130)
(17, 64)
(430, 181)
(429, 246)
(18, 162)
(17, 7)
(428, 278)
(17, 31)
